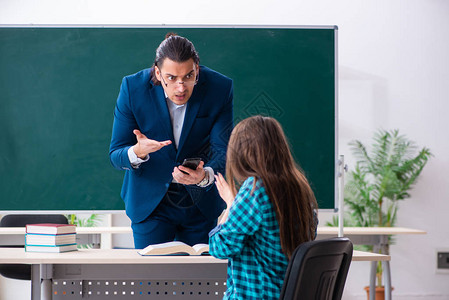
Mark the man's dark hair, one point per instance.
(176, 48)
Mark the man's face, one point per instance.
(178, 79)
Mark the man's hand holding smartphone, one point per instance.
(190, 171)
(191, 163)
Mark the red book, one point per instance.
(50, 228)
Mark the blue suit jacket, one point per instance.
(207, 126)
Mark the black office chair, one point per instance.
(318, 270)
(23, 271)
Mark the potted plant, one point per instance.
(382, 177)
(90, 221)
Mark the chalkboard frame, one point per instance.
(174, 27)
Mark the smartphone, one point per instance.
(191, 163)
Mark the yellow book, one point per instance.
(175, 247)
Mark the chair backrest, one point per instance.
(22, 220)
(317, 270)
(23, 271)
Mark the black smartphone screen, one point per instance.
(191, 163)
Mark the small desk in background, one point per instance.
(124, 274)
(378, 238)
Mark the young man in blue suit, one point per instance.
(175, 110)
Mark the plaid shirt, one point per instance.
(250, 240)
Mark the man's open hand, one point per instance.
(145, 145)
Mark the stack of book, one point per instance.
(50, 238)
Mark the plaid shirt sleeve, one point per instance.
(250, 240)
(244, 220)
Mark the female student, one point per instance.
(273, 212)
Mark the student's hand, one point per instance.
(146, 146)
(224, 190)
(192, 176)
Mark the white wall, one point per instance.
(394, 73)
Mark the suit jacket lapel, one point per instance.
(162, 113)
(193, 105)
(163, 117)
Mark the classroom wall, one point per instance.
(393, 73)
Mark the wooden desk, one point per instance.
(122, 273)
(378, 238)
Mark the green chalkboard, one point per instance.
(58, 88)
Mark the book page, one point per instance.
(175, 247)
(201, 248)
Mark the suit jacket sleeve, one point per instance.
(122, 130)
(220, 133)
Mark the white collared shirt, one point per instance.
(177, 115)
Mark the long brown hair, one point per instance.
(258, 147)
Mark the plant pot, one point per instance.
(380, 292)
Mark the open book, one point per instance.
(175, 247)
